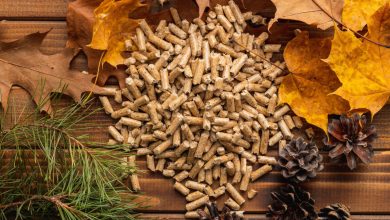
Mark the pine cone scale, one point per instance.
(362, 153)
(335, 212)
(337, 151)
(351, 161)
(335, 130)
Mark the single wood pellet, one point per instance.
(251, 193)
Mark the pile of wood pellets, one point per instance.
(201, 105)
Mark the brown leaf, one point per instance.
(202, 4)
(22, 64)
(309, 11)
(80, 20)
(306, 89)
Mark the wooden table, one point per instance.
(366, 190)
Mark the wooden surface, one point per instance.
(366, 190)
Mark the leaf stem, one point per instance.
(356, 33)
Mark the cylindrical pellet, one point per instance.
(260, 172)
(235, 194)
(181, 188)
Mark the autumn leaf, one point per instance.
(112, 26)
(22, 64)
(306, 89)
(202, 4)
(80, 20)
(313, 12)
(357, 12)
(363, 67)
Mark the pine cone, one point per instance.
(300, 160)
(226, 213)
(292, 203)
(351, 137)
(335, 211)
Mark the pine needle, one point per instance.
(47, 171)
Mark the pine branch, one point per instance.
(54, 199)
(54, 172)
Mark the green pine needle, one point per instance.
(46, 170)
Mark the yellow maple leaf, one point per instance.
(306, 89)
(357, 12)
(363, 67)
(112, 26)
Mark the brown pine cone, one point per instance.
(335, 211)
(226, 213)
(300, 160)
(292, 203)
(351, 137)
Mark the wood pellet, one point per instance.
(201, 105)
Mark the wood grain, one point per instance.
(365, 190)
(33, 9)
(54, 42)
(56, 9)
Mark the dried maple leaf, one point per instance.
(313, 12)
(306, 89)
(202, 4)
(357, 12)
(363, 67)
(112, 27)
(80, 20)
(22, 64)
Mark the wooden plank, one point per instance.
(54, 42)
(177, 216)
(56, 9)
(332, 185)
(374, 194)
(33, 9)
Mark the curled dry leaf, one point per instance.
(22, 64)
(112, 27)
(313, 12)
(306, 89)
(357, 12)
(202, 4)
(80, 20)
(362, 67)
